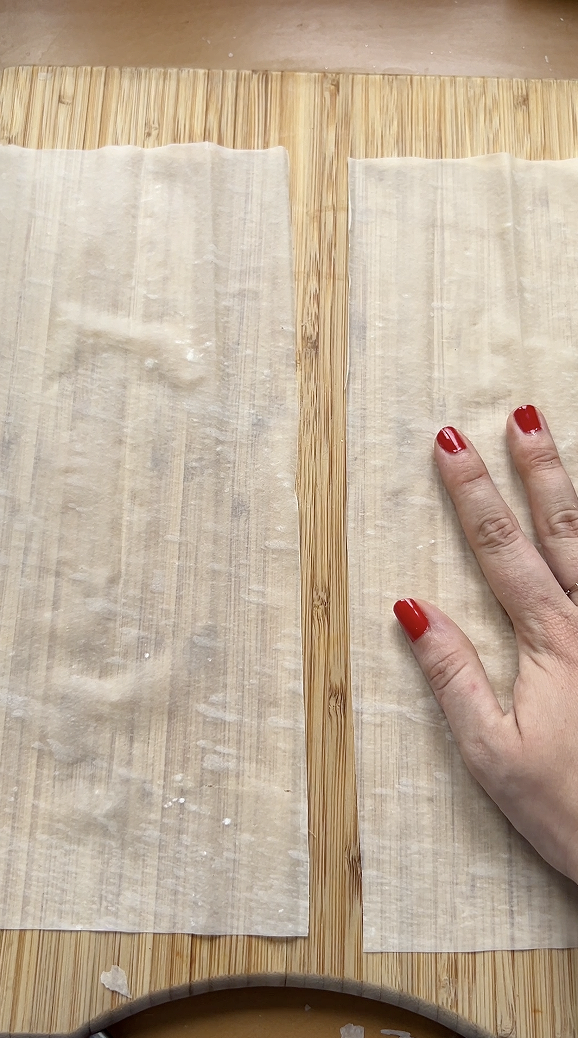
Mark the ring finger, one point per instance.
(551, 495)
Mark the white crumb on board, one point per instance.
(352, 1031)
(115, 980)
(400, 1034)
(307, 1007)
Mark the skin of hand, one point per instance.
(526, 758)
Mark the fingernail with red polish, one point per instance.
(527, 419)
(411, 617)
(450, 439)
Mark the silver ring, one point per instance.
(572, 589)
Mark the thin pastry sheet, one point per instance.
(463, 306)
(152, 752)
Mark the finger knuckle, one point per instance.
(445, 671)
(564, 522)
(474, 478)
(497, 532)
(544, 457)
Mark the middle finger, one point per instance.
(516, 572)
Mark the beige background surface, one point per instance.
(518, 38)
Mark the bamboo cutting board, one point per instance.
(50, 981)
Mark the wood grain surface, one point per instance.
(49, 981)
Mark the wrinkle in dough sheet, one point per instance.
(152, 754)
(463, 306)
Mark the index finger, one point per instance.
(516, 572)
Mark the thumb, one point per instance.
(458, 680)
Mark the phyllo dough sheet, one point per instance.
(463, 306)
(152, 752)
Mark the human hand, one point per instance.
(526, 757)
